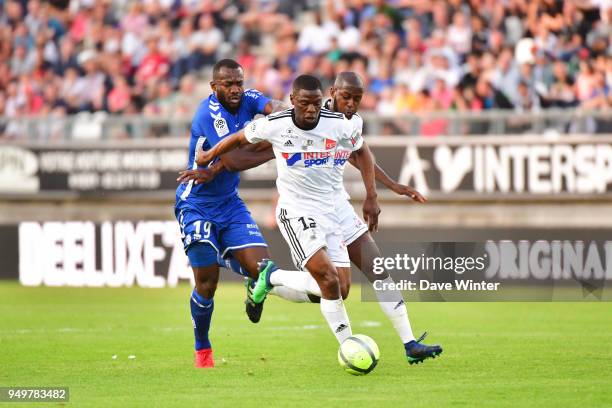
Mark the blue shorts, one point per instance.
(225, 225)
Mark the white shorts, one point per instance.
(307, 233)
(351, 225)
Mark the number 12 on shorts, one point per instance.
(307, 225)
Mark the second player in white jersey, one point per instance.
(351, 224)
(342, 156)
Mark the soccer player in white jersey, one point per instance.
(305, 141)
(346, 95)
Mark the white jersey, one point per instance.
(342, 156)
(305, 159)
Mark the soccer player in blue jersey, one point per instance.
(215, 223)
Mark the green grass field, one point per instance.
(495, 354)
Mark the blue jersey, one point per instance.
(211, 123)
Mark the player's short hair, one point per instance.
(307, 82)
(225, 63)
(348, 78)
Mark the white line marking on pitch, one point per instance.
(365, 323)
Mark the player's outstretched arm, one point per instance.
(224, 146)
(391, 184)
(243, 158)
(247, 157)
(365, 160)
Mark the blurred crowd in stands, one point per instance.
(154, 57)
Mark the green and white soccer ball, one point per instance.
(358, 354)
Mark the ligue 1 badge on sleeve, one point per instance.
(221, 127)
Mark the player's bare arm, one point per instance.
(248, 156)
(226, 145)
(391, 184)
(253, 155)
(244, 158)
(365, 160)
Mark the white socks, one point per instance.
(337, 319)
(392, 303)
(289, 294)
(295, 286)
(296, 280)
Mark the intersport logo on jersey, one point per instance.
(310, 159)
(341, 157)
(313, 159)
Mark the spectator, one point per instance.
(386, 105)
(585, 81)
(441, 94)
(135, 21)
(560, 93)
(471, 71)
(460, 35)
(526, 100)
(67, 56)
(507, 76)
(205, 42)
(414, 74)
(186, 99)
(154, 66)
(489, 97)
(184, 62)
(23, 60)
(348, 36)
(15, 100)
(120, 95)
(382, 81)
(316, 37)
(164, 102)
(600, 94)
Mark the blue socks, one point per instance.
(232, 264)
(201, 314)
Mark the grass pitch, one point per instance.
(495, 354)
